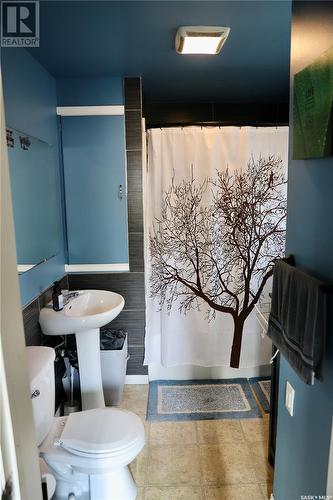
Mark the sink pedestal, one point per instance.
(89, 357)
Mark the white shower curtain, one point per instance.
(175, 338)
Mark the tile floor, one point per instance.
(200, 460)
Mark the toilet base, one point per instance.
(115, 485)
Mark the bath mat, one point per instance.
(201, 400)
(262, 389)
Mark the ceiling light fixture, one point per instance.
(200, 39)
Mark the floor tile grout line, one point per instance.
(203, 494)
(223, 485)
(147, 464)
(243, 432)
(201, 468)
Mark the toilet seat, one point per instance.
(126, 449)
(100, 432)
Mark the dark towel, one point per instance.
(297, 322)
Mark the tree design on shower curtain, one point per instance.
(220, 253)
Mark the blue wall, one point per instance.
(90, 91)
(94, 159)
(30, 102)
(94, 168)
(304, 439)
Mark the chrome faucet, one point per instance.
(69, 296)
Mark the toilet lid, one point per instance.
(100, 431)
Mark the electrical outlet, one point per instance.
(290, 396)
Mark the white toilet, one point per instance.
(88, 452)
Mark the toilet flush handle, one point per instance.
(35, 394)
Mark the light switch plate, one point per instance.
(290, 396)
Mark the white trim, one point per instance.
(23, 268)
(90, 110)
(85, 268)
(329, 487)
(136, 379)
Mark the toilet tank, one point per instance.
(41, 375)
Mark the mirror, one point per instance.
(33, 178)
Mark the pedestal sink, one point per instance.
(84, 315)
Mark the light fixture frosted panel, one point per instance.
(200, 39)
(200, 45)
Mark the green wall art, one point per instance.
(313, 96)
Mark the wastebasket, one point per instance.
(114, 358)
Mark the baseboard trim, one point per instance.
(136, 379)
(95, 268)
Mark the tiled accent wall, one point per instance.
(133, 123)
(34, 336)
(132, 317)
(130, 284)
(32, 331)
(135, 318)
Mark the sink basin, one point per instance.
(84, 315)
(91, 309)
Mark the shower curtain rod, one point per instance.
(217, 124)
